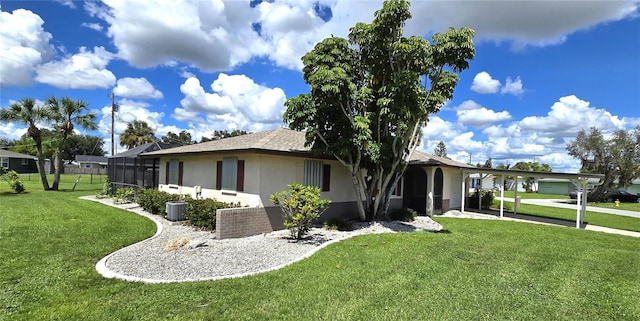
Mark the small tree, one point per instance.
(13, 179)
(300, 206)
(441, 150)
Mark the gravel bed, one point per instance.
(181, 253)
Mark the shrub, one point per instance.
(338, 224)
(300, 206)
(487, 200)
(154, 201)
(202, 212)
(124, 195)
(403, 214)
(13, 179)
(107, 189)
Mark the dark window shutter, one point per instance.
(219, 175)
(326, 177)
(166, 173)
(399, 187)
(240, 178)
(180, 171)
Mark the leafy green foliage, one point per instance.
(154, 201)
(403, 214)
(617, 157)
(13, 179)
(182, 138)
(220, 134)
(202, 212)
(486, 201)
(370, 94)
(138, 132)
(124, 195)
(527, 184)
(301, 205)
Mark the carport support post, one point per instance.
(515, 197)
(502, 196)
(578, 209)
(465, 190)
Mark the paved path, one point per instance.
(562, 203)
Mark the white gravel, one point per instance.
(179, 253)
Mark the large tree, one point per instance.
(182, 138)
(137, 133)
(370, 96)
(28, 112)
(68, 114)
(617, 157)
(220, 134)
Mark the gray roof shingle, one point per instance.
(280, 140)
(10, 154)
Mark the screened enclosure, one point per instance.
(128, 169)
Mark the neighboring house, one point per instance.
(91, 161)
(634, 188)
(483, 181)
(250, 168)
(21, 163)
(556, 186)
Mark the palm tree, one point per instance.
(137, 133)
(27, 112)
(66, 112)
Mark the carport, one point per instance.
(581, 179)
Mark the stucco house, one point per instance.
(91, 161)
(249, 168)
(21, 163)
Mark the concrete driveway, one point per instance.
(562, 203)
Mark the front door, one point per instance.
(415, 190)
(437, 191)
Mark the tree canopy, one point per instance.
(371, 94)
(440, 150)
(617, 157)
(182, 138)
(220, 134)
(138, 132)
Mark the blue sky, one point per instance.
(543, 69)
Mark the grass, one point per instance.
(533, 195)
(476, 270)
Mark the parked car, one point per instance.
(574, 193)
(623, 196)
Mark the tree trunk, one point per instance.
(41, 169)
(57, 169)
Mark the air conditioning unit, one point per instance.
(175, 211)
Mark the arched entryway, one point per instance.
(437, 190)
(415, 190)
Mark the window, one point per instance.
(173, 172)
(397, 190)
(230, 174)
(4, 162)
(317, 174)
(24, 161)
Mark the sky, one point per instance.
(543, 69)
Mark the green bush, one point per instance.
(300, 206)
(107, 189)
(124, 195)
(338, 224)
(403, 214)
(154, 201)
(202, 212)
(12, 178)
(487, 200)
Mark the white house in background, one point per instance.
(250, 168)
(91, 161)
(484, 181)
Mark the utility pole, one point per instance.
(114, 108)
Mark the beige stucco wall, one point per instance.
(264, 175)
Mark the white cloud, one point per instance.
(93, 26)
(128, 111)
(137, 88)
(12, 131)
(513, 87)
(236, 102)
(84, 70)
(569, 115)
(484, 84)
(473, 114)
(522, 23)
(23, 45)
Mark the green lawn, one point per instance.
(476, 270)
(622, 206)
(524, 195)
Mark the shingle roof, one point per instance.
(148, 147)
(280, 140)
(91, 159)
(275, 140)
(10, 154)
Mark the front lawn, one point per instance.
(476, 270)
(532, 195)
